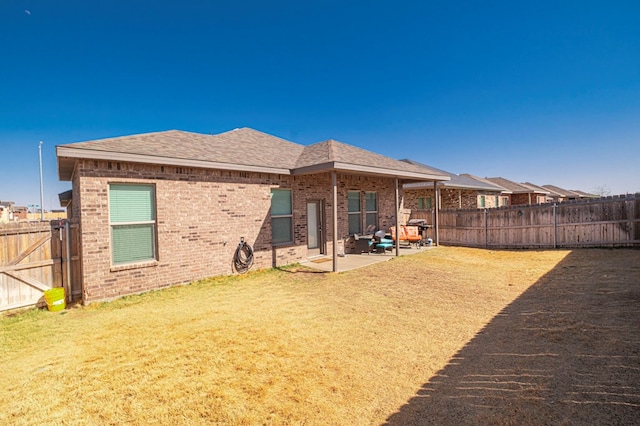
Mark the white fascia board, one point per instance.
(448, 186)
(71, 152)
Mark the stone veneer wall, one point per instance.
(201, 216)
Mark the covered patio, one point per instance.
(356, 261)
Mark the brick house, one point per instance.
(460, 192)
(543, 195)
(558, 194)
(521, 194)
(164, 208)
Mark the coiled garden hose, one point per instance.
(243, 258)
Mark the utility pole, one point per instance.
(41, 188)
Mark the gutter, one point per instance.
(75, 153)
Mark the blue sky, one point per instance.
(546, 91)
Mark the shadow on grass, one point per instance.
(567, 351)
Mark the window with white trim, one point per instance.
(132, 218)
(354, 212)
(281, 216)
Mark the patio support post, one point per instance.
(334, 184)
(436, 225)
(397, 197)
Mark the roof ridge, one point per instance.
(332, 149)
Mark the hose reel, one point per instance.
(243, 257)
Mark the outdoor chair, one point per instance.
(408, 234)
(381, 245)
(363, 244)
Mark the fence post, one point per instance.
(67, 235)
(486, 230)
(555, 225)
(436, 219)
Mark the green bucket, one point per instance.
(55, 299)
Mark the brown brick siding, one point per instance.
(449, 198)
(201, 216)
(520, 199)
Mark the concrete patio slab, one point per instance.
(355, 261)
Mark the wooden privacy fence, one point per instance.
(34, 257)
(603, 222)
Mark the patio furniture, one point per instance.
(363, 243)
(422, 227)
(381, 244)
(408, 234)
(372, 244)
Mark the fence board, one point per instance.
(603, 222)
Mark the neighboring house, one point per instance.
(550, 196)
(460, 192)
(20, 213)
(561, 194)
(521, 194)
(503, 198)
(582, 195)
(170, 207)
(6, 211)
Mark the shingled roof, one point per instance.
(231, 150)
(503, 189)
(456, 182)
(514, 187)
(335, 155)
(242, 149)
(561, 191)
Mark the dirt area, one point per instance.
(449, 336)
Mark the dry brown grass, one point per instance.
(298, 347)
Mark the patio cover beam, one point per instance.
(334, 184)
(397, 214)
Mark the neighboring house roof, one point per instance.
(240, 149)
(487, 181)
(456, 182)
(583, 194)
(514, 187)
(536, 188)
(562, 192)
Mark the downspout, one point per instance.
(334, 183)
(397, 219)
(436, 196)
